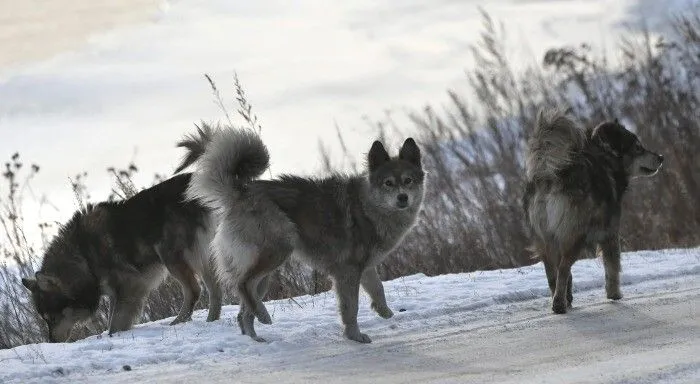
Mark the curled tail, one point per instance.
(226, 158)
(195, 144)
(554, 141)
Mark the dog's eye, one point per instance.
(407, 181)
(389, 182)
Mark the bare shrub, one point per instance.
(473, 217)
(19, 324)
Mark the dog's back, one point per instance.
(553, 144)
(149, 215)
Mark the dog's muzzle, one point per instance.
(402, 201)
(650, 164)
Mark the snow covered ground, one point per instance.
(484, 326)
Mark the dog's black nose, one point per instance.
(403, 198)
(661, 158)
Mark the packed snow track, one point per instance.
(480, 327)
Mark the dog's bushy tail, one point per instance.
(195, 144)
(555, 139)
(226, 158)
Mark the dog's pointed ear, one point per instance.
(607, 138)
(48, 283)
(30, 284)
(377, 156)
(616, 121)
(410, 152)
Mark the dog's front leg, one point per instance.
(112, 310)
(347, 288)
(372, 284)
(611, 260)
(126, 312)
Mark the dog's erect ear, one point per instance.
(410, 152)
(377, 156)
(608, 137)
(30, 284)
(616, 121)
(48, 283)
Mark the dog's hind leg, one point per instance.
(346, 282)
(247, 290)
(569, 291)
(246, 318)
(267, 261)
(611, 261)
(203, 263)
(551, 271)
(191, 290)
(246, 322)
(213, 289)
(550, 262)
(560, 303)
(372, 284)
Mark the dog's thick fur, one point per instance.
(576, 180)
(341, 225)
(123, 250)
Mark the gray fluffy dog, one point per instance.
(341, 225)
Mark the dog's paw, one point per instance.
(263, 316)
(614, 295)
(179, 320)
(358, 336)
(383, 311)
(559, 306)
(258, 339)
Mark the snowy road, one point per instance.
(492, 326)
(646, 338)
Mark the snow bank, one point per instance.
(420, 304)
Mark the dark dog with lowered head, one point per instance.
(123, 250)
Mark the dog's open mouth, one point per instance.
(649, 171)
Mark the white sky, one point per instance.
(130, 93)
